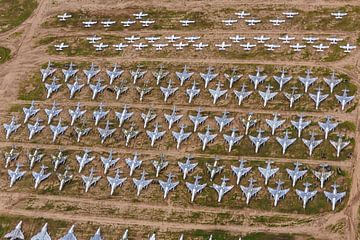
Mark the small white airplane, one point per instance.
(320, 47)
(131, 39)
(290, 14)
(277, 22)
(200, 46)
(229, 22)
(93, 39)
(100, 46)
(242, 14)
(140, 15)
(347, 48)
(89, 23)
(146, 23)
(286, 38)
(186, 22)
(271, 47)
(107, 23)
(339, 14)
(180, 45)
(172, 38)
(222, 46)
(310, 39)
(248, 46)
(61, 46)
(159, 46)
(140, 46)
(236, 38)
(127, 23)
(152, 39)
(334, 40)
(261, 39)
(64, 17)
(192, 39)
(297, 47)
(120, 46)
(252, 22)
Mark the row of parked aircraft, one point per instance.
(186, 167)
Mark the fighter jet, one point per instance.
(187, 166)
(296, 173)
(90, 180)
(53, 112)
(312, 143)
(35, 128)
(173, 117)
(306, 195)
(278, 193)
(268, 172)
(123, 115)
(141, 183)
(168, 185)
(11, 127)
(282, 79)
(323, 175)
(267, 95)
(120, 46)
(242, 94)
(332, 81)
(252, 21)
(206, 137)
(184, 75)
(100, 114)
(286, 38)
(52, 87)
(300, 125)
(40, 176)
(290, 14)
(334, 196)
(229, 22)
(64, 178)
(339, 145)
(236, 38)
(114, 73)
(68, 73)
(217, 93)
(84, 159)
(318, 97)
(195, 187)
(192, 92)
(97, 235)
(148, 117)
(93, 39)
(223, 46)
(257, 79)
(70, 235)
(107, 23)
(198, 119)
(222, 189)
(307, 80)
(180, 45)
(152, 236)
(276, 22)
(10, 156)
(76, 113)
(274, 123)
(209, 76)
(181, 136)
(58, 159)
(75, 87)
(172, 38)
(81, 131)
(97, 88)
(60, 47)
(160, 74)
(16, 233)
(348, 48)
(258, 140)
(160, 165)
(233, 77)
(248, 122)
(261, 39)
(223, 121)
(142, 91)
(125, 235)
(285, 142)
(130, 133)
(293, 96)
(168, 91)
(140, 15)
(344, 98)
(240, 171)
(42, 235)
(155, 134)
(232, 139)
(137, 74)
(89, 23)
(47, 72)
(339, 15)
(34, 157)
(106, 131)
(15, 175)
(133, 163)
(327, 126)
(30, 111)
(186, 22)
(131, 39)
(115, 181)
(242, 14)
(247, 46)
(100, 46)
(214, 168)
(297, 47)
(250, 191)
(119, 90)
(108, 161)
(57, 130)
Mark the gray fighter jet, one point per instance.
(97, 235)
(312, 143)
(217, 92)
(192, 92)
(222, 189)
(141, 183)
(99, 114)
(40, 176)
(75, 87)
(169, 185)
(70, 235)
(240, 171)
(47, 72)
(307, 81)
(306, 195)
(97, 88)
(42, 235)
(278, 193)
(209, 76)
(184, 75)
(90, 73)
(173, 117)
(119, 90)
(155, 134)
(258, 140)
(250, 191)
(282, 79)
(123, 115)
(15, 175)
(160, 165)
(10, 156)
(133, 163)
(137, 74)
(248, 122)
(300, 125)
(257, 79)
(293, 96)
(160, 74)
(285, 141)
(90, 180)
(130, 133)
(195, 187)
(267, 95)
(181, 136)
(206, 137)
(84, 159)
(324, 174)
(344, 99)
(16, 233)
(232, 139)
(334, 197)
(327, 126)
(274, 123)
(148, 117)
(168, 91)
(108, 161)
(125, 235)
(64, 178)
(318, 97)
(68, 73)
(58, 159)
(114, 73)
(242, 94)
(115, 181)
(223, 120)
(332, 81)
(106, 131)
(233, 77)
(34, 157)
(76, 113)
(296, 173)
(339, 145)
(268, 172)
(187, 166)
(198, 119)
(144, 90)
(214, 168)
(52, 87)
(11, 127)
(53, 112)
(57, 130)
(30, 111)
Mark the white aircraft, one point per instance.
(173, 117)
(38, 178)
(318, 97)
(148, 117)
(160, 74)
(293, 96)
(15, 175)
(229, 22)
(34, 157)
(300, 125)
(222, 46)
(240, 171)
(16, 233)
(236, 38)
(53, 112)
(282, 79)
(258, 78)
(248, 46)
(192, 39)
(81, 131)
(10, 156)
(339, 14)
(242, 94)
(181, 136)
(339, 145)
(271, 47)
(186, 22)
(107, 23)
(140, 46)
(97, 88)
(192, 92)
(141, 183)
(89, 181)
(242, 14)
(100, 46)
(120, 46)
(64, 178)
(169, 185)
(115, 181)
(348, 48)
(285, 142)
(310, 39)
(93, 39)
(195, 187)
(200, 46)
(290, 14)
(223, 120)
(92, 72)
(155, 134)
(114, 73)
(35, 128)
(160, 46)
(296, 174)
(267, 95)
(258, 140)
(261, 39)
(106, 131)
(327, 126)
(97, 235)
(323, 175)
(53, 87)
(312, 143)
(278, 192)
(222, 189)
(42, 235)
(306, 195)
(232, 139)
(248, 122)
(152, 39)
(206, 137)
(180, 45)
(232, 78)
(307, 81)
(216, 93)
(334, 40)
(184, 75)
(332, 81)
(250, 191)
(208, 76)
(47, 72)
(172, 38)
(64, 17)
(160, 165)
(75, 114)
(320, 47)
(11, 127)
(89, 23)
(198, 119)
(168, 91)
(252, 22)
(268, 172)
(286, 38)
(123, 115)
(127, 23)
(297, 47)
(84, 159)
(146, 23)
(274, 123)
(334, 197)
(344, 98)
(68, 73)
(70, 234)
(61, 46)
(277, 22)
(187, 166)
(140, 15)
(132, 39)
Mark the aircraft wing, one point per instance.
(273, 171)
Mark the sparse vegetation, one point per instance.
(4, 54)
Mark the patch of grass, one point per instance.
(4, 54)
(33, 89)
